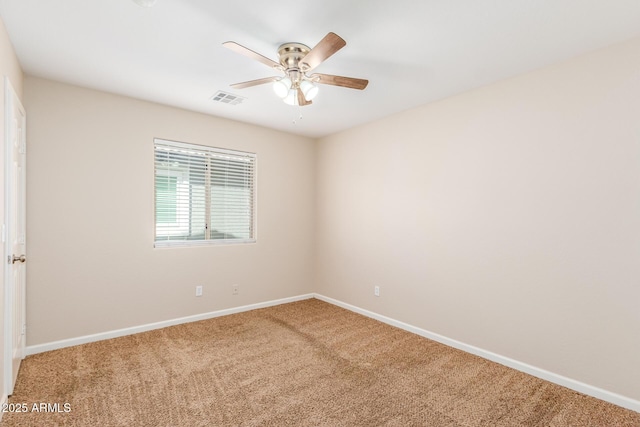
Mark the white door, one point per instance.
(15, 290)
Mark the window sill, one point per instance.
(197, 243)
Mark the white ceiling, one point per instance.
(411, 51)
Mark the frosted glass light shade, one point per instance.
(309, 90)
(281, 87)
(291, 98)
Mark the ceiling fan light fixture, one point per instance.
(291, 98)
(309, 90)
(297, 87)
(145, 3)
(282, 87)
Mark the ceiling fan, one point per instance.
(296, 61)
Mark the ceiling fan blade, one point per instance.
(254, 82)
(251, 54)
(330, 44)
(342, 81)
(302, 101)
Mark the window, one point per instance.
(203, 195)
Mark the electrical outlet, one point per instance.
(376, 291)
(235, 289)
(198, 291)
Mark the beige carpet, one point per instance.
(301, 364)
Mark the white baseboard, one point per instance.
(55, 345)
(578, 386)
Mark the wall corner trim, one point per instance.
(55, 345)
(599, 393)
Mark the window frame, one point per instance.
(207, 240)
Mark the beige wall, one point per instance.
(92, 266)
(9, 67)
(507, 218)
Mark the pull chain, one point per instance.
(299, 116)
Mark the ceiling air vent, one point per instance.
(227, 98)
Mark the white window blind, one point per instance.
(203, 195)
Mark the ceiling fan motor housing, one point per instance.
(290, 56)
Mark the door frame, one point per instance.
(11, 100)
